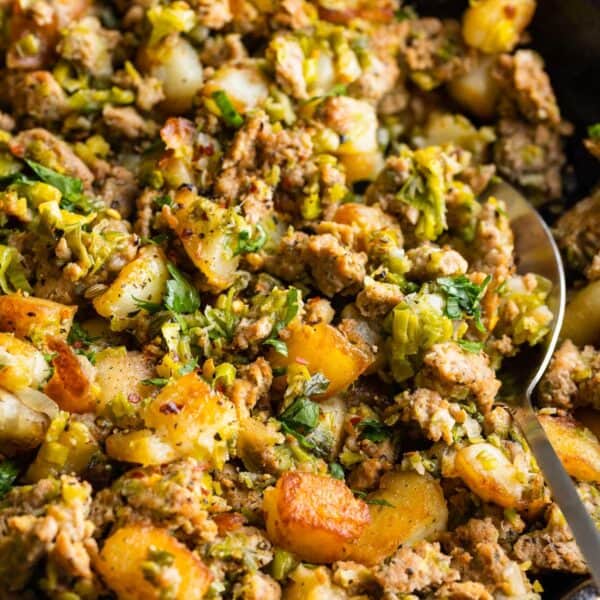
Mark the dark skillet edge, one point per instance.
(566, 35)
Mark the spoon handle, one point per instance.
(563, 490)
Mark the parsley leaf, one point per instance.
(8, 473)
(302, 415)
(161, 201)
(229, 113)
(373, 430)
(337, 472)
(151, 307)
(181, 296)
(463, 297)
(279, 345)
(78, 334)
(71, 188)
(246, 244)
(469, 346)
(594, 131)
(379, 502)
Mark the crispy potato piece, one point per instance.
(488, 473)
(70, 386)
(35, 318)
(131, 556)
(496, 25)
(21, 364)
(577, 447)
(119, 372)
(313, 516)
(415, 510)
(144, 278)
(143, 447)
(582, 316)
(365, 220)
(21, 427)
(194, 419)
(323, 348)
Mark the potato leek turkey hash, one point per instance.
(255, 295)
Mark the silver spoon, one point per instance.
(537, 253)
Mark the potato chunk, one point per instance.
(119, 372)
(144, 278)
(143, 447)
(148, 563)
(323, 348)
(415, 509)
(21, 364)
(496, 25)
(582, 317)
(313, 516)
(35, 318)
(194, 419)
(577, 447)
(312, 584)
(488, 473)
(71, 383)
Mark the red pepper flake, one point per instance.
(134, 398)
(170, 408)
(301, 361)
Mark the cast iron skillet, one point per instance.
(567, 34)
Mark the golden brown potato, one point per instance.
(70, 385)
(134, 558)
(582, 317)
(414, 509)
(577, 447)
(364, 220)
(496, 25)
(313, 516)
(21, 364)
(194, 419)
(323, 348)
(119, 372)
(143, 447)
(487, 472)
(35, 318)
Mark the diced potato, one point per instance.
(176, 64)
(364, 166)
(323, 349)
(245, 86)
(477, 91)
(144, 278)
(496, 25)
(143, 447)
(21, 428)
(35, 318)
(255, 442)
(415, 509)
(194, 419)
(119, 372)
(582, 317)
(313, 516)
(21, 364)
(208, 234)
(577, 447)
(147, 563)
(365, 220)
(71, 383)
(312, 584)
(489, 474)
(68, 448)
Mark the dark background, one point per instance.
(567, 34)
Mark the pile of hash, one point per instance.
(256, 291)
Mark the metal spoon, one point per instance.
(537, 253)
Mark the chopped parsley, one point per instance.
(301, 416)
(161, 201)
(336, 471)
(151, 307)
(594, 131)
(8, 474)
(79, 334)
(463, 297)
(373, 430)
(292, 305)
(229, 113)
(181, 296)
(156, 381)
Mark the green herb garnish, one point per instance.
(301, 416)
(336, 471)
(292, 305)
(594, 131)
(181, 296)
(8, 474)
(463, 297)
(373, 430)
(246, 244)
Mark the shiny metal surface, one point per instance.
(537, 253)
